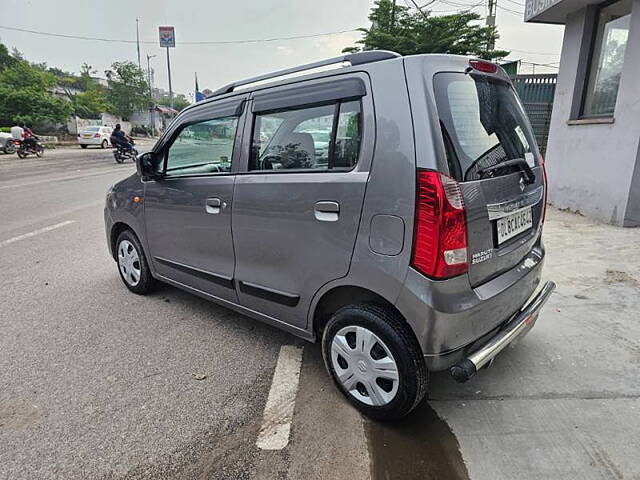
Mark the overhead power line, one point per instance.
(205, 42)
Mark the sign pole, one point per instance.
(169, 71)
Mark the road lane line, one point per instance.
(36, 232)
(62, 179)
(278, 412)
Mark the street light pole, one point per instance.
(169, 71)
(138, 43)
(151, 124)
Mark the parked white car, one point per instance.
(6, 143)
(97, 135)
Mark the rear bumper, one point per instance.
(514, 330)
(90, 141)
(451, 319)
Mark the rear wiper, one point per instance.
(521, 163)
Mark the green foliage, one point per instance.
(179, 101)
(407, 32)
(6, 60)
(128, 89)
(25, 96)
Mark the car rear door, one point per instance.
(187, 210)
(297, 206)
(484, 128)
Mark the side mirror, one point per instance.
(145, 165)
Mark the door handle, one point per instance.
(212, 205)
(326, 211)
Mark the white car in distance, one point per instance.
(97, 135)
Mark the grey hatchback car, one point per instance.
(390, 207)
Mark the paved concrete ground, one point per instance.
(98, 383)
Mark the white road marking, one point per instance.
(62, 179)
(35, 232)
(278, 412)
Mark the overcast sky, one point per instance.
(208, 20)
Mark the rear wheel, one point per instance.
(132, 264)
(10, 147)
(104, 144)
(21, 153)
(375, 361)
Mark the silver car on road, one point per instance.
(410, 243)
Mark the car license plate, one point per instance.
(511, 225)
(86, 136)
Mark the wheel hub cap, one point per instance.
(129, 262)
(364, 366)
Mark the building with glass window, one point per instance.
(593, 157)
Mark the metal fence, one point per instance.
(536, 93)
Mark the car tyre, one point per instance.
(132, 264)
(375, 343)
(10, 148)
(83, 146)
(104, 144)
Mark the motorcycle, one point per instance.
(121, 153)
(30, 148)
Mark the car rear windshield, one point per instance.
(483, 124)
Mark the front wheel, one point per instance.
(39, 150)
(10, 148)
(132, 264)
(375, 361)
(104, 144)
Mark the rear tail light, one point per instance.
(483, 66)
(545, 183)
(96, 135)
(440, 231)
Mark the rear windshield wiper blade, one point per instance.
(521, 163)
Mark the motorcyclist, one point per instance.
(29, 138)
(17, 131)
(121, 139)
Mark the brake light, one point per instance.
(545, 183)
(483, 66)
(96, 135)
(440, 230)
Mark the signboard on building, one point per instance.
(535, 7)
(167, 36)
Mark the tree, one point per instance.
(397, 28)
(179, 101)
(129, 91)
(6, 60)
(25, 95)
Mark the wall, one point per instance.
(591, 166)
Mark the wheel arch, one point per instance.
(116, 229)
(339, 296)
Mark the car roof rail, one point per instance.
(358, 58)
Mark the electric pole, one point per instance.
(151, 125)
(491, 22)
(138, 43)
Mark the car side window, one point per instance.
(202, 148)
(321, 137)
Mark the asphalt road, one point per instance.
(98, 383)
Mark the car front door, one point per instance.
(296, 208)
(188, 208)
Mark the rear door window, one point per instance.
(483, 124)
(321, 137)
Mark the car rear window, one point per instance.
(483, 123)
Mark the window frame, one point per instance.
(337, 103)
(591, 62)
